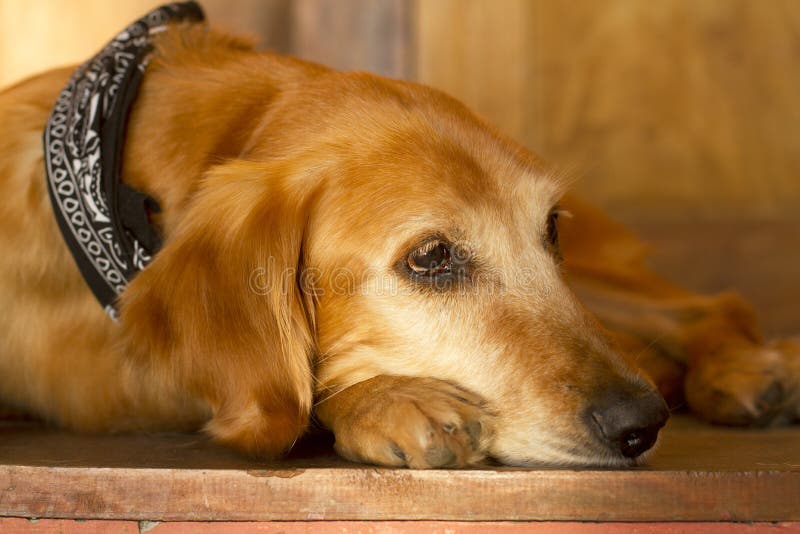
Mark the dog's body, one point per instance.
(265, 165)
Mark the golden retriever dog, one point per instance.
(365, 253)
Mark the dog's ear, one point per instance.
(219, 312)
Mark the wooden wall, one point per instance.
(40, 34)
(372, 35)
(675, 114)
(676, 104)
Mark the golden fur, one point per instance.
(290, 192)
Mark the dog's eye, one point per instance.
(551, 234)
(431, 259)
(552, 228)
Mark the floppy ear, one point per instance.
(219, 313)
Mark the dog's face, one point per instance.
(432, 250)
(423, 243)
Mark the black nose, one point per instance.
(628, 423)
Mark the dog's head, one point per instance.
(373, 227)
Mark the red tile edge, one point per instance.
(13, 525)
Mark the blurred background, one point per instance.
(681, 117)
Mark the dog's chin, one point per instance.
(600, 458)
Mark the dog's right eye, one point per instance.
(551, 233)
(431, 259)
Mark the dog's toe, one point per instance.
(451, 439)
(420, 423)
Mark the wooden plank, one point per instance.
(373, 494)
(699, 474)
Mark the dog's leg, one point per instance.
(732, 376)
(407, 421)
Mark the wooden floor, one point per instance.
(698, 473)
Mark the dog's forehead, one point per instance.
(420, 170)
(405, 139)
(418, 161)
(428, 186)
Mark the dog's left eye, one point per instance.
(431, 259)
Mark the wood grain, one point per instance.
(699, 473)
(42, 34)
(676, 107)
(481, 53)
(372, 35)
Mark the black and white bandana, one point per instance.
(104, 222)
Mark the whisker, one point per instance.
(678, 407)
(329, 397)
(648, 346)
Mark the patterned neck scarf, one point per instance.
(104, 222)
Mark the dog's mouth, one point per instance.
(612, 433)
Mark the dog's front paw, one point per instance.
(744, 386)
(408, 421)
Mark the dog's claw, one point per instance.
(770, 399)
(397, 451)
(742, 387)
